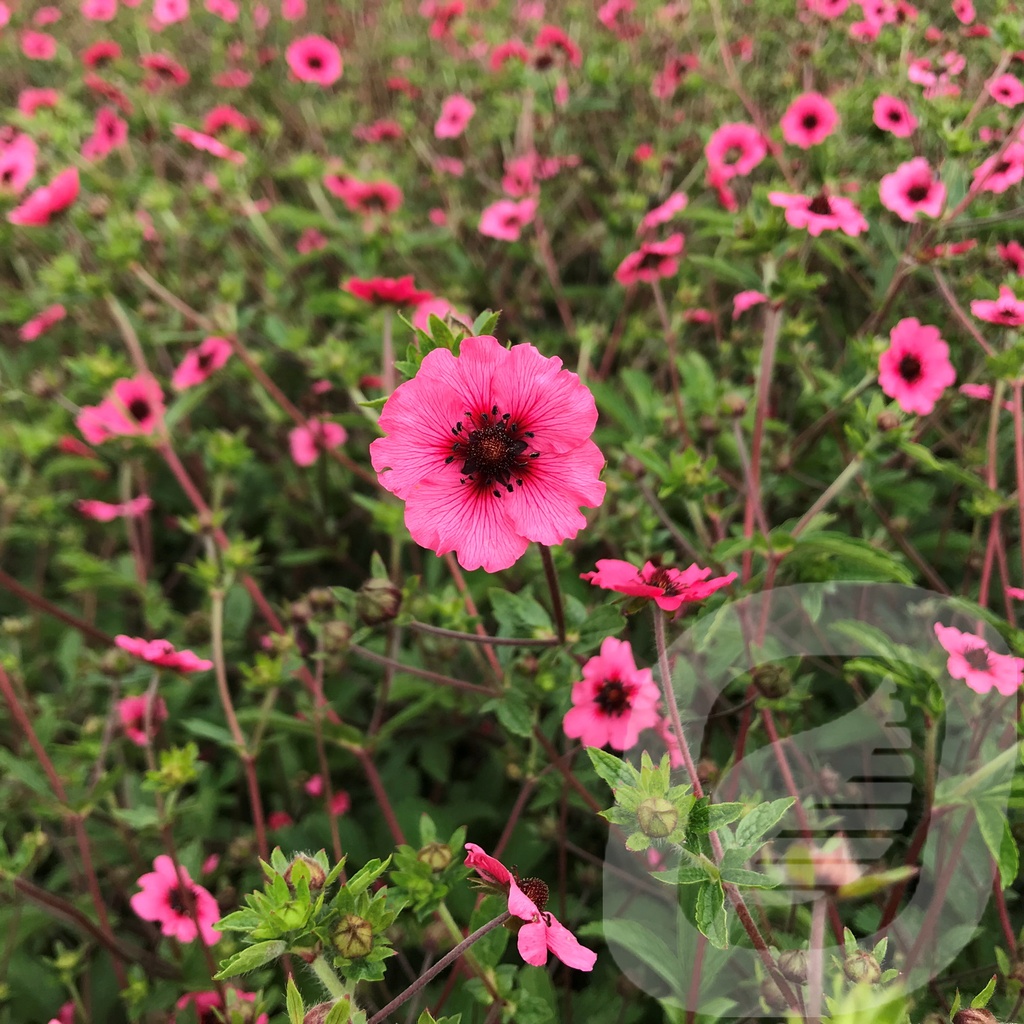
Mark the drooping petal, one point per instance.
(567, 947)
(489, 868)
(532, 943)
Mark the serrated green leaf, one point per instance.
(251, 958)
(513, 711)
(762, 818)
(981, 999)
(711, 914)
(339, 1013)
(749, 879)
(293, 1003)
(612, 769)
(995, 830)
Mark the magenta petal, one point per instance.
(489, 868)
(533, 947)
(520, 904)
(567, 947)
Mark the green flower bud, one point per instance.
(862, 966)
(353, 937)
(321, 600)
(437, 856)
(304, 865)
(336, 635)
(772, 681)
(793, 964)
(657, 817)
(378, 601)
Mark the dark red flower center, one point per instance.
(918, 192)
(895, 115)
(1001, 168)
(732, 155)
(910, 368)
(7, 175)
(138, 409)
(662, 578)
(650, 261)
(543, 60)
(535, 890)
(810, 120)
(493, 451)
(314, 61)
(613, 698)
(821, 205)
(977, 658)
(176, 900)
(204, 360)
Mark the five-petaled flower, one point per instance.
(1007, 310)
(915, 369)
(527, 898)
(490, 450)
(162, 654)
(669, 588)
(972, 660)
(163, 900)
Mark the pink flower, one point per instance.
(44, 202)
(132, 713)
(915, 368)
(110, 132)
(341, 803)
(167, 12)
(42, 322)
(209, 1006)
(820, 213)
(38, 45)
(971, 660)
(506, 218)
(306, 443)
(366, 197)
(278, 820)
(735, 150)
(1007, 310)
(386, 291)
(964, 11)
(1017, 593)
(226, 116)
(669, 588)
(1007, 90)
(207, 143)
(893, 115)
(227, 10)
(17, 165)
(101, 53)
(998, 173)
(163, 901)
(828, 8)
(912, 189)
(162, 654)
(809, 120)
(30, 100)
(293, 10)
(746, 300)
(490, 450)
(1012, 254)
(99, 10)
(208, 357)
(104, 512)
(526, 900)
(653, 260)
(456, 112)
(314, 785)
(314, 59)
(311, 240)
(614, 702)
(234, 78)
(134, 406)
(663, 213)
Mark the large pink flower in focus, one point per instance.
(614, 702)
(490, 450)
(669, 588)
(912, 189)
(527, 898)
(971, 660)
(915, 368)
(163, 901)
(809, 120)
(456, 112)
(314, 59)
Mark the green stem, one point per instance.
(336, 988)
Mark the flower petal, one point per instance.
(533, 947)
(567, 947)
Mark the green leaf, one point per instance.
(711, 914)
(251, 958)
(762, 818)
(956, 1005)
(612, 769)
(981, 999)
(995, 830)
(720, 815)
(339, 1013)
(748, 879)
(638, 941)
(486, 322)
(513, 711)
(293, 1003)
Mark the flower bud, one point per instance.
(317, 1014)
(862, 966)
(304, 865)
(657, 817)
(772, 681)
(300, 612)
(772, 995)
(378, 601)
(321, 600)
(974, 1015)
(336, 636)
(793, 964)
(733, 404)
(887, 421)
(437, 856)
(353, 937)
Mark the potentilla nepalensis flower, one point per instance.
(527, 898)
(551, 46)
(278, 820)
(669, 588)
(227, 10)
(366, 197)
(912, 189)
(210, 1008)
(735, 150)
(293, 10)
(17, 165)
(41, 322)
(1007, 310)
(964, 11)
(205, 359)
(653, 260)
(30, 100)
(163, 70)
(99, 10)
(386, 291)
(225, 116)
(893, 115)
(490, 450)
(506, 218)
(38, 45)
(614, 702)
(162, 654)
(314, 59)
(1012, 254)
(100, 54)
(207, 143)
(1007, 90)
(915, 368)
(746, 300)
(663, 213)
(110, 132)
(105, 512)
(809, 120)
(972, 660)
(135, 406)
(44, 202)
(456, 112)
(441, 308)
(306, 443)
(163, 901)
(820, 213)
(134, 712)
(311, 240)
(998, 173)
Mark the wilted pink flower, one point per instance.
(526, 900)
(614, 702)
(162, 900)
(456, 112)
(133, 714)
(162, 654)
(17, 165)
(669, 588)
(735, 150)
(205, 359)
(820, 213)
(808, 120)
(105, 512)
(167, 12)
(915, 368)
(1007, 310)
(44, 202)
(306, 443)
(490, 450)
(506, 218)
(746, 300)
(42, 322)
(1007, 90)
(972, 660)
(38, 45)
(912, 189)
(663, 213)
(314, 59)
(653, 260)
